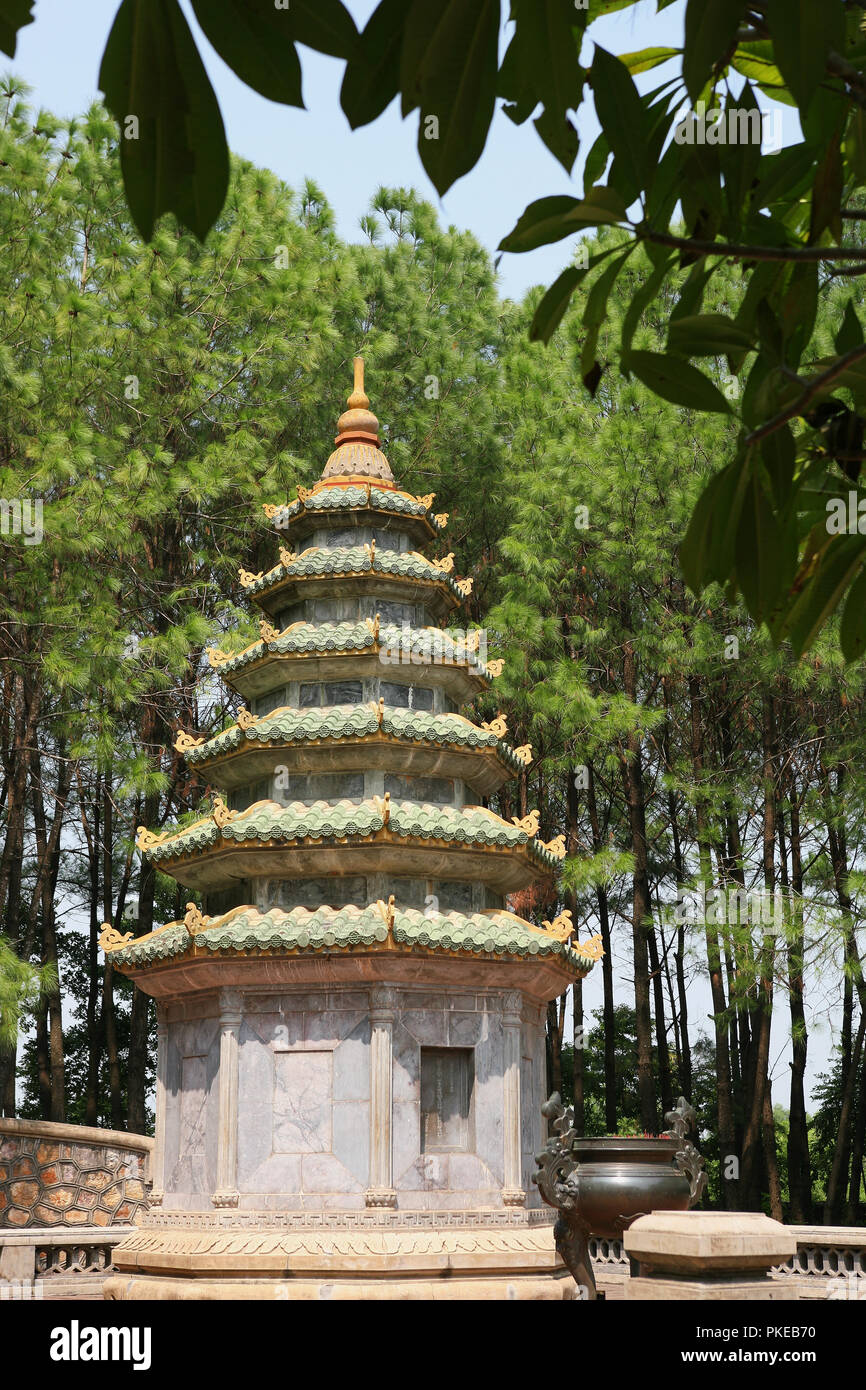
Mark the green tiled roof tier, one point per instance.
(289, 725)
(328, 929)
(268, 821)
(319, 561)
(310, 639)
(343, 499)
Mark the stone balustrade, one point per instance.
(70, 1175)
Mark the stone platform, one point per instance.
(471, 1255)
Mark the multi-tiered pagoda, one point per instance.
(351, 1026)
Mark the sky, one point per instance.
(59, 55)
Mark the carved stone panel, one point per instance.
(446, 1099)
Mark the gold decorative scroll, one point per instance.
(592, 948)
(384, 806)
(497, 726)
(529, 824)
(304, 493)
(195, 921)
(246, 719)
(426, 500)
(524, 753)
(216, 656)
(287, 557)
(495, 668)
(145, 839)
(446, 564)
(465, 586)
(556, 847)
(248, 579)
(441, 519)
(378, 707)
(373, 625)
(386, 911)
(269, 633)
(473, 640)
(371, 549)
(184, 742)
(221, 813)
(272, 509)
(562, 927)
(111, 940)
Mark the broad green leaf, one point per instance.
(849, 334)
(707, 551)
(258, 44)
(548, 315)
(853, 628)
(448, 70)
(640, 300)
(755, 60)
(827, 193)
(782, 175)
(647, 58)
(551, 219)
(798, 311)
(372, 76)
(778, 455)
(824, 580)
(710, 29)
(549, 54)
(513, 83)
(623, 120)
(677, 381)
(706, 335)
(14, 15)
(560, 137)
(595, 163)
(765, 553)
(740, 160)
(175, 158)
(802, 32)
(854, 146)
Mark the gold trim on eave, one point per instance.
(110, 938)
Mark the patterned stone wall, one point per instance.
(70, 1175)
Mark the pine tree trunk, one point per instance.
(799, 1164)
(857, 1150)
(632, 773)
(609, 1007)
(729, 1158)
(758, 1084)
(836, 1185)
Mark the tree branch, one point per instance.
(813, 388)
(737, 252)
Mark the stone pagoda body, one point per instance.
(352, 1026)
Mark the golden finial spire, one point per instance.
(357, 454)
(358, 422)
(358, 400)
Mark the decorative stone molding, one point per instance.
(231, 1013)
(513, 1194)
(157, 1192)
(383, 1010)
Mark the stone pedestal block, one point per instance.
(707, 1255)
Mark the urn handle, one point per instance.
(687, 1160)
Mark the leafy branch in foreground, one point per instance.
(781, 215)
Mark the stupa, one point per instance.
(351, 1027)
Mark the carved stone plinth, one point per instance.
(708, 1255)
